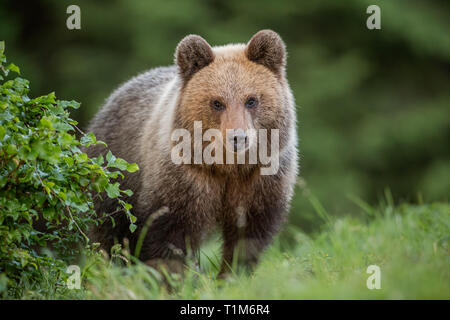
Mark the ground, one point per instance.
(410, 244)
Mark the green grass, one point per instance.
(409, 243)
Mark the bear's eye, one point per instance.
(251, 103)
(217, 105)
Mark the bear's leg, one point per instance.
(164, 245)
(242, 245)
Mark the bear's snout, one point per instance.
(238, 140)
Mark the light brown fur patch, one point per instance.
(232, 78)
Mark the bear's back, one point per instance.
(122, 118)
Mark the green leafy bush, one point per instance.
(47, 184)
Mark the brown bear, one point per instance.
(233, 88)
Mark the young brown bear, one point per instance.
(236, 86)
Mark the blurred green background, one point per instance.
(373, 105)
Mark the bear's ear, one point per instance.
(192, 54)
(267, 48)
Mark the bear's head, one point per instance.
(236, 89)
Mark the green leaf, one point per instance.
(132, 227)
(133, 167)
(14, 68)
(11, 149)
(109, 156)
(81, 157)
(128, 192)
(88, 139)
(68, 161)
(45, 123)
(2, 132)
(62, 195)
(119, 164)
(83, 181)
(113, 222)
(112, 190)
(65, 139)
(99, 160)
(49, 213)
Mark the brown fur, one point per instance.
(136, 123)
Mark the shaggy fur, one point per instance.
(137, 121)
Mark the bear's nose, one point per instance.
(239, 140)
